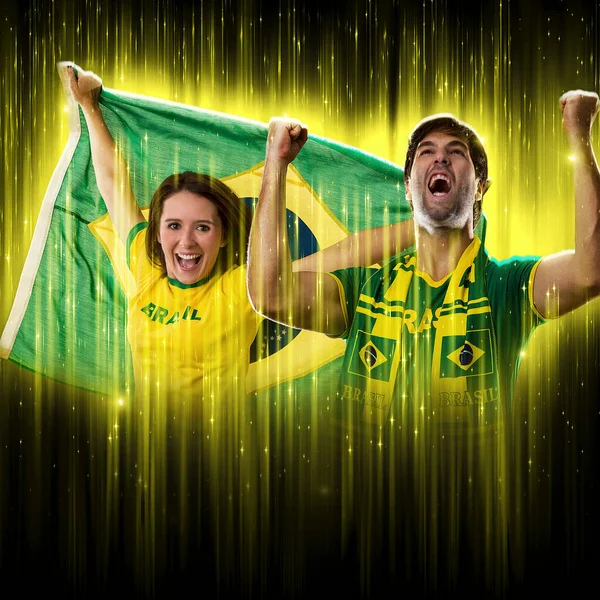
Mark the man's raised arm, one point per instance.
(307, 300)
(574, 275)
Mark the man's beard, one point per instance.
(434, 218)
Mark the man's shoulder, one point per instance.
(509, 282)
(500, 268)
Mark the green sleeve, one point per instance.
(509, 289)
(131, 238)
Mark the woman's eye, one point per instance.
(425, 152)
(457, 152)
(203, 228)
(173, 226)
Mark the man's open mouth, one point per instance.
(188, 261)
(439, 184)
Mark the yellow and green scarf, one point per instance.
(459, 383)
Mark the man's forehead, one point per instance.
(434, 138)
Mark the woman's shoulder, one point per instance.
(234, 278)
(232, 283)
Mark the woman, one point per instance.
(190, 325)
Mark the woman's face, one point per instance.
(191, 235)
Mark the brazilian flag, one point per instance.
(68, 320)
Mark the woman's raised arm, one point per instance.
(112, 173)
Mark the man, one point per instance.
(434, 339)
(438, 331)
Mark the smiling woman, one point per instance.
(190, 323)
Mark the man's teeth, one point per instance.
(439, 190)
(438, 176)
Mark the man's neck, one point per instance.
(438, 252)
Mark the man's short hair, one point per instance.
(450, 125)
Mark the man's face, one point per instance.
(442, 183)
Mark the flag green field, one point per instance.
(68, 320)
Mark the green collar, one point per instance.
(185, 286)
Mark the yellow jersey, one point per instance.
(188, 339)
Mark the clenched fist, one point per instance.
(579, 109)
(285, 139)
(85, 86)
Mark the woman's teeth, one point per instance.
(188, 256)
(188, 261)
